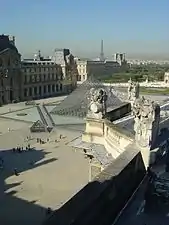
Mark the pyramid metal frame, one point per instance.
(38, 126)
(76, 104)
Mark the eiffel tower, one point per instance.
(76, 104)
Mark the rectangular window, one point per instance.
(25, 80)
(56, 77)
(53, 77)
(37, 78)
(33, 78)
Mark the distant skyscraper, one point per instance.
(102, 52)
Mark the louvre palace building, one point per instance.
(29, 79)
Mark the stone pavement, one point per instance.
(13, 107)
(21, 105)
(49, 175)
(51, 100)
(13, 125)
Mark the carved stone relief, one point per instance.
(146, 116)
(133, 90)
(97, 103)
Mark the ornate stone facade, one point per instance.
(146, 122)
(97, 103)
(71, 70)
(41, 78)
(10, 74)
(45, 78)
(87, 68)
(66, 60)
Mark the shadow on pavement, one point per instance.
(100, 201)
(13, 209)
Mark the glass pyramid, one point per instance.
(76, 104)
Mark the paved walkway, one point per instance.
(49, 175)
(13, 107)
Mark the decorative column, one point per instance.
(1, 102)
(33, 94)
(38, 92)
(7, 95)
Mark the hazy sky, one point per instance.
(131, 26)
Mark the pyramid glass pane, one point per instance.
(76, 104)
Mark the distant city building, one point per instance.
(147, 62)
(166, 77)
(10, 74)
(87, 68)
(120, 58)
(100, 66)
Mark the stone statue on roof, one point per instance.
(146, 122)
(133, 90)
(97, 103)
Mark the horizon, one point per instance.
(137, 28)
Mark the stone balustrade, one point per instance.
(108, 134)
(115, 139)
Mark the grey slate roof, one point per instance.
(5, 47)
